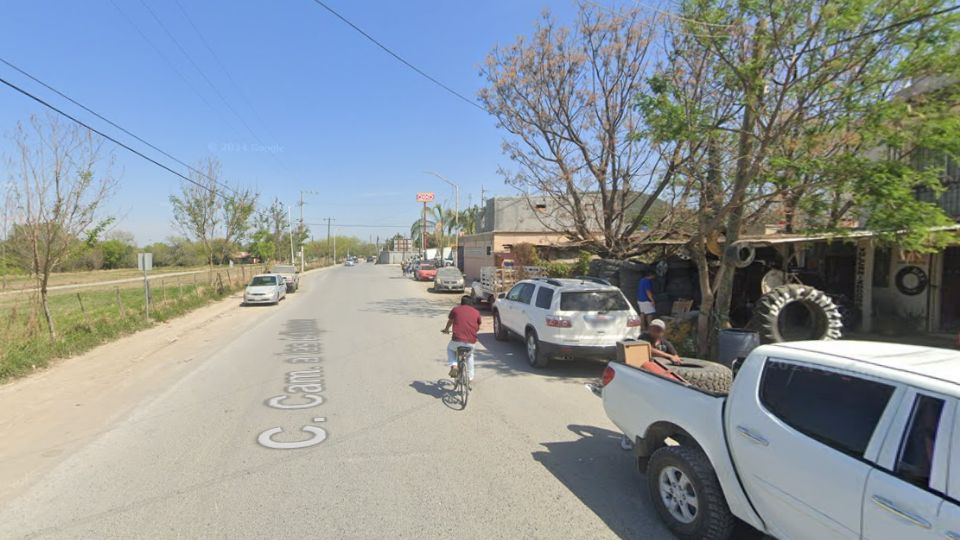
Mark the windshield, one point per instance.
(593, 301)
(284, 269)
(426, 267)
(259, 281)
(448, 273)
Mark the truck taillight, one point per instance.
(634, 322)
(559, 322)
(608, 374)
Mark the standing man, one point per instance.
(645, 298)
(465, 320)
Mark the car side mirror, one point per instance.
(502, 295)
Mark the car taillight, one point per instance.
(634, 322)
(559, 322)
(608, 374)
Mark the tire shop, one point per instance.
(792, 287)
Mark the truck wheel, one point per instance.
(709, 376)
(795, 313)
(687, 495)
(535, 356)
(499, 332)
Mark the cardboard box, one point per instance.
(633, 353)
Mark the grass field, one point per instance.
(85, 318)
(58, 279)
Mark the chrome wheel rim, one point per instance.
(531, 348)
(678, 495)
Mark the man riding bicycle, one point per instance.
(465, 321)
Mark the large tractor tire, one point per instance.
(708, 376)
(796, 313)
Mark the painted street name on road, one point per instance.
(304, 386)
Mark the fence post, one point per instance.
(80, 300)
(163, 290)
(120, 303)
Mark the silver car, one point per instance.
(265, 289)
(449, 279)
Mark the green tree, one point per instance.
(783, 105)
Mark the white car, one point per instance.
(815, 440)
(265, 289)
(565, 319)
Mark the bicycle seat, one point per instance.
(464, 350)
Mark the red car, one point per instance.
(426, 272)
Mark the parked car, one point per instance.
(290, 274)
(818, 440)
(265, 289)
(565, 319)
(371, 258)
(348, 262)
(448, 279)
(425, 272)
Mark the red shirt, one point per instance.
(466, 323)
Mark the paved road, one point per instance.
(532, 456)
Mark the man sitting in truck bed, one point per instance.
(660, 347)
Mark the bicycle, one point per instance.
(462, 383)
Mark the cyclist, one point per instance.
(465, 321)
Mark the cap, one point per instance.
(659, 324)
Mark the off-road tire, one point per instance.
(499, 332)
(709, 376)
(827, 320)
(714, 520)
(536, 359)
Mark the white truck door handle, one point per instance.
(752, 437)
(905, 515)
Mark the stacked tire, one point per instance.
(796, 313)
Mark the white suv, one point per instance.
(565, 318)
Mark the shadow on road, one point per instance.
(417, 307)
(509, 358)
(441, 389)
(604, 478)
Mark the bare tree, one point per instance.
(196, 212)
(61, 193)
(568, 98)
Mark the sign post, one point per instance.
(145, 263)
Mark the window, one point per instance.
(835, 409)
(881, 267)
(544, 297)
(593, 301)
(916, 452)
(260, 281)
(526, 293)
(514, 293)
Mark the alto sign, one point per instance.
(425, 196)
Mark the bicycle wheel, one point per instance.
(464, 381)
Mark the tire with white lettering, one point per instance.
(709, 376)
(499, 332)
(686, 493)
(796, 313)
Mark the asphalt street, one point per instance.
(329, 416)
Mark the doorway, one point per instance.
(950, 290)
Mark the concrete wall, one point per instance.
(520, 214)
(480, 250)
(890, 299)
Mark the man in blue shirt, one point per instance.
(645, 298)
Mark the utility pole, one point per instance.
(300, 232)
(456, 215)
(290, 227)
(328, 240)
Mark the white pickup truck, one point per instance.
(817, 440)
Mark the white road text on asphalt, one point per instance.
(304, 386)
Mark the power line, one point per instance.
(108, 137)
(173, 68)
(206, 79)
(221, 65)
(111, 122)
(397, 56)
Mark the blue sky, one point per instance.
(337, 115)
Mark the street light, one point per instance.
(456, 213)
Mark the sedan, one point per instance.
(448, 278)
(425, 272)
(265, 289)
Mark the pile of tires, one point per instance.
(707, 376)
(608, 269)
(796, 313)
